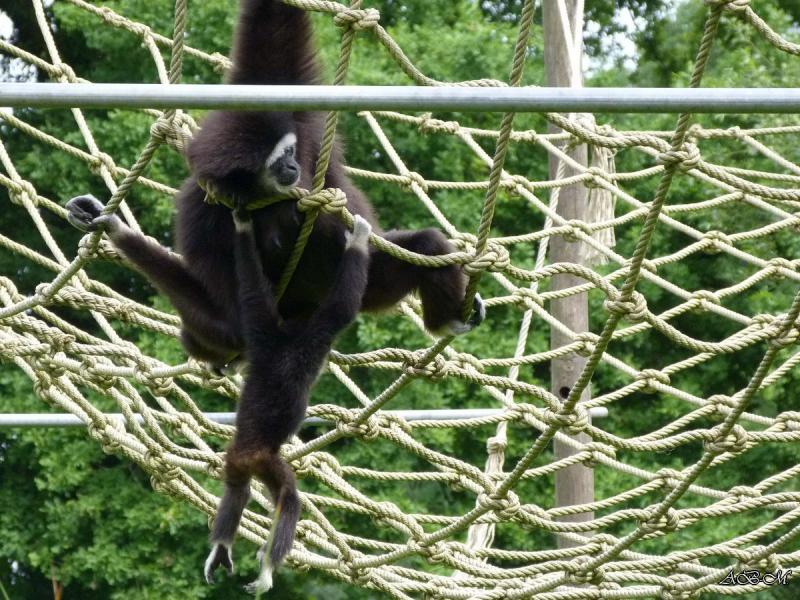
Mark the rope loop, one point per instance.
(357, 19)
(734, 442)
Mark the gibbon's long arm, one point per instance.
(199, 313)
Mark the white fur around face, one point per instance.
(285, 142)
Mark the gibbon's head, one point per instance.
(281, 170)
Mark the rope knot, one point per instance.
(576, 227)
(367, 430)
(634, 309)
(735, 441)
(784, 339)
(686, 159)
(768, 563)
(676, 588)
(357, 19)
(721, 403)
(650, 377)
(668, 477)
(330, 200)
(777, 264)
(494, 259)
(587, 341)
(578, 572)
(702, 298)
(788, 420)
(506, 507)
(527, 298)
(667, 522)
(22, 191)
(595, 451)
(741, 493)
(170, 132)
(100, 161)
(573, 422)
(435, 369)
(596, 177)
(427, 124)
(413, 177)
(715, 241)
(731, 5)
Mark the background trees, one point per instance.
(90, 522)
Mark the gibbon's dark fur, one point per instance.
(273, 45)
(284, 358)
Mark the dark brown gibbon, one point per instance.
(284, 358)
(251, 155)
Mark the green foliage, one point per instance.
(91, 522)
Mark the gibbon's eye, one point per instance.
(289, 151)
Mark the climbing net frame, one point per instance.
(64, 361)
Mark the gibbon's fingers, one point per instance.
(477, 317)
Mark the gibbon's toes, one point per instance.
(360, 235)
(83, 210)
(220, 555)
(263, 583)
(477, 317)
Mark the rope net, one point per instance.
(630, 545)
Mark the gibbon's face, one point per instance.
(281, 170)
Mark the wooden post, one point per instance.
(575, 484)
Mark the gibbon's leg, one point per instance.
(229, 513)
(342, 304)
(199, 313)
(278, 476)
(441, 289)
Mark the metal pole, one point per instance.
(229, 418)
(574, 484)
(444, 98)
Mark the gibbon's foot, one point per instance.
(85, 213)
(238, 366)
(478, 315)
(220, 555)
(359, 237)
(264, 581)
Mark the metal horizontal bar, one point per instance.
(229, 418)
(419, 98)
